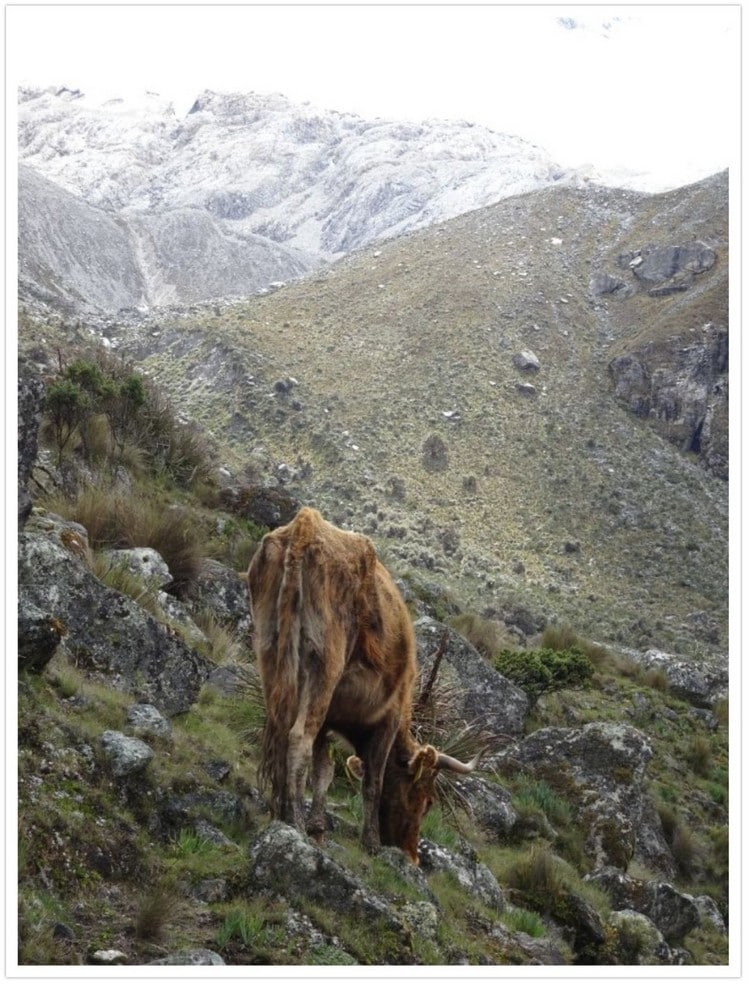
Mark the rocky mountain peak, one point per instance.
(288, 186)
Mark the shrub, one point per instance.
(487, 636)
(118, 519)
(434, 454)
(699, 755)
(65, 407)
(539, 671)
(538, 875)
(156, 907)
(106, 390)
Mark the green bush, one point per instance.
(105, 393)
(539, 671)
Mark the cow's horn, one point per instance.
(456, 766)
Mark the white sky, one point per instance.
(657, 90)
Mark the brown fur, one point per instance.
(336, 651)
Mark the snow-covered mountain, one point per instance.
(249, 189)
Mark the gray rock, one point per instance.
(224, 593)
(491, 805)
(108, 632)
(471, 874)
(144, 562)
(266, 506)
(39, 634)
(676, 265)
(286, 863)
(606, 284)
(675, 914)
(482, 694)
(600, 768)
(680, 384)
(146, 720)
(126, 755)
(709, 911)
(191, 956)
(699, 683)
(108, 956)
(527, 360)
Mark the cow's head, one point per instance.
(409, 792)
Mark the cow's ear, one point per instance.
(355, 767)
(424, 759)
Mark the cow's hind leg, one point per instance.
(315, 699)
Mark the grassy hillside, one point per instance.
(404, 416)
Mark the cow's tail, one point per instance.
(283, 686)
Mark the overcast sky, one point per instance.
(650, 89)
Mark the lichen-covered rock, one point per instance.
(286, 863)
(144, 562)
(640, 942)
(675, 914)
(126, 755)
(490, 804)
(599, 768)
(471, 874)
(224, 593)
(191, 956)
(39, 635)
(147, 721)
(108, 632)
(699, 683)
(482, 694)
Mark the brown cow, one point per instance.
(336, 651)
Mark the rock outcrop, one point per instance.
(680, 384)
(104, 631)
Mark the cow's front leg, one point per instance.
(322, 777)
(373, 761)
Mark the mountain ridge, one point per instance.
(298, 187)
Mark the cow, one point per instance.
(336, 653)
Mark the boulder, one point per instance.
(223, 592)
(126, 755)
(675, 914)
(266, 506)
(671, 267)
(107, 632)
(490, 804)
(680, 384)
(483, 695)
(148, 722)
(698, 683)
(286, 863)
(598, 768)
(144, 562)
(526, 360)
(39, 634)
(468, 872)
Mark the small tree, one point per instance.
(67, 408)
(540, 671)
